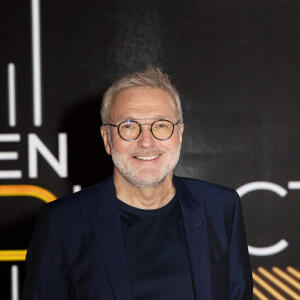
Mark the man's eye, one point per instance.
(127, 126)
(162, 125)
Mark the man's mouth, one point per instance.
(147, 157)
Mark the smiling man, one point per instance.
(143, 234)
(144, 142)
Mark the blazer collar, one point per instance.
(195, 226)
(107, 206)
(108, 234)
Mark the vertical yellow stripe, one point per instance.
(22, 190)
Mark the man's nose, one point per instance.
(146, 138)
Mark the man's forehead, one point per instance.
(143, 103)
(153, 118)
(139, 93)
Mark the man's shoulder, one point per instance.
(209, 193)
(81, 203)
(194, 183)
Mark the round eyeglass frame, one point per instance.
(140, 126)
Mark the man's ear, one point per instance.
(105, 139)
(181, 128)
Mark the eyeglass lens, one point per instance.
(130, 130)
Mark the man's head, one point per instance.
(147, 159)
(152, 77)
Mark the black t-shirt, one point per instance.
(156, 251)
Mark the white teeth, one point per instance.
(147, 157)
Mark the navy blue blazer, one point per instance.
(77, 251)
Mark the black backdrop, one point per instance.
(236, 65)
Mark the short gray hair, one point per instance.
(152, 77)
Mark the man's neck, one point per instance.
(144, 198)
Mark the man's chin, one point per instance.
(145, 182)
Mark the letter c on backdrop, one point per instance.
(279, 190)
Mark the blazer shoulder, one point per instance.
(215, 194)
(77, 205)
(208, 186)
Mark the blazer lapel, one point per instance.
(193, 214)
(108, 233)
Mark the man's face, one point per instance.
(146, 161)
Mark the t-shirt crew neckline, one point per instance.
(139, 211)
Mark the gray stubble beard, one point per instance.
(128, 172)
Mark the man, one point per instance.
(143, 233)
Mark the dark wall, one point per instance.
(236, 65)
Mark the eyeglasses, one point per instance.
(130, 130)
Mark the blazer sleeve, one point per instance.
(45, 274)
(240, 274)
